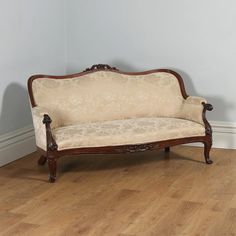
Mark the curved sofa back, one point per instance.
(109, 95)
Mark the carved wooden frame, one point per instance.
(52, 154)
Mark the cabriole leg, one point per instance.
(52, 164)
(207, 148)
(42, 160)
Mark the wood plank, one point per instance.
(150, 193)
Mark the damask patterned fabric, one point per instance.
(39, 127)
(128, 131)
(192, 109)
(107, 108)
(101, 96)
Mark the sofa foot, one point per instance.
(52, 164)
(209, 161)
(167, 149)
(42, 160)
(207, 148)
(52, 179)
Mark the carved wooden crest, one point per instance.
(100, 67)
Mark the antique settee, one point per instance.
(104, 110)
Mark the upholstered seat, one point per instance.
(127, 131)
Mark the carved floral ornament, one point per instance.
(100, 67)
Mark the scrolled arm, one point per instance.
(195, 100)
(193, 109)
(51, 144)
(207, 107)
(38, 114)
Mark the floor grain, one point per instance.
(152, 193)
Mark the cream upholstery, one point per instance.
(192, 109)
(127, 131)
(108, 108)
(108, 95)
(39, 127)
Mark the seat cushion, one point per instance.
(127, 131)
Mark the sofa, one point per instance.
(104, 110)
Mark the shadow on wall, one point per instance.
(15, 111)
(221, 107)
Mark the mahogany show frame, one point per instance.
(52, 154)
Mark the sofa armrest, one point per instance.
(195, 100)
(38, 114)
(193, 108)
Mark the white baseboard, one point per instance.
(224, 135)
(16, 144)
(21, 142)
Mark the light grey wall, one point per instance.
(196, 38)
(32, 40)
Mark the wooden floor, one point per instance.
(149, 193)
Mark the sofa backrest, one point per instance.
(108, 95)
